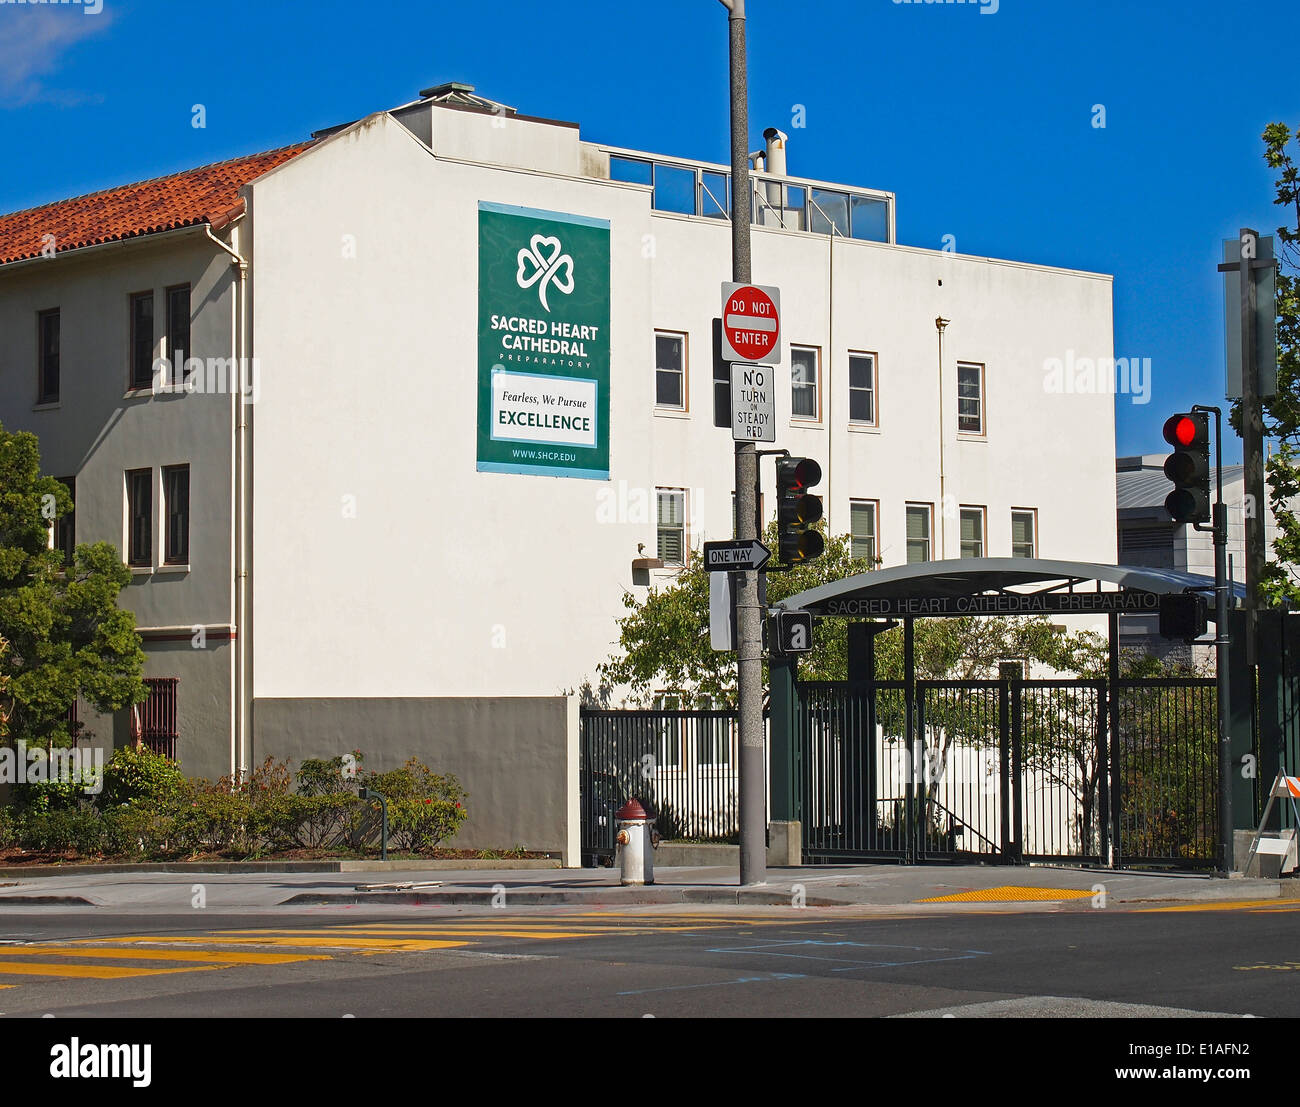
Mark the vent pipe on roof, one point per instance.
(776, 141)
(775, 160)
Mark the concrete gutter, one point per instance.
(236, 867)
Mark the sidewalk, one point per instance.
(937, 889)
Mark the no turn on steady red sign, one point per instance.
(751, 323)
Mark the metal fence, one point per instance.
(681, 765)
(1008, 771)
(1168, 771)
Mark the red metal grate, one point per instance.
(153, 723)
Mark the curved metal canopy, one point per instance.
(984, 586)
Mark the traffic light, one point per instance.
(796, 510)
(1188, 467)
(1183, 615)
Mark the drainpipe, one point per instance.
(941, 325)
(238, 510)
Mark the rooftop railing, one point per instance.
(789, 203)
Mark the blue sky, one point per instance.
(981, 121)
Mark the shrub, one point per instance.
(420, 825)
(330, 776)
(10, 827)
(140, 832)
(141, 777)
(78, 831)
(324, 820)
(424, 808)
(217, 819)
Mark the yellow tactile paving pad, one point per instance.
(1010, 893)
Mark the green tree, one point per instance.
(1281, 413)
(664, 643)
(67, 638)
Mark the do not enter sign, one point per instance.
(751, 323)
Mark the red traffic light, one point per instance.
(1188, 430)
(803, 475)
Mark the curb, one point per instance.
(534, 897)
(46, 901)
(283, 867)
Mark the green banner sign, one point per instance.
(543, 343)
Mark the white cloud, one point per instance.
(33, 40)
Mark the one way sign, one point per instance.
(794, 631)
(736, 556)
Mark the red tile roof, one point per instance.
(209, 194)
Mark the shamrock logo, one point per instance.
(543, 263)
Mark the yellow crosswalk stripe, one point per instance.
(325, 941)
(118, 954)
(97, 972)
(1228, 905)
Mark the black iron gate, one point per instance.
(681, 765)
(1008, 771)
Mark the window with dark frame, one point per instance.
(670, 370)
(142, 345)
(804, 384)
(65, 526)
(862, 388)
(176, 500)
(47, 367)
(178, 331)
(970, 399)
(1024, 533)
(139, 517)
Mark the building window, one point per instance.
(672, 526)
(714, 738)
(670, 370)
(65, 526)
(918, 532)
(139, 517)
(970, 399)
(178, 331)
(176, 506)
(1024, 532)
(862, 389)
(670, 732)
(972, 532)
(154, 722)
(805, 399)
(142, 347)
(47, 358)
(862, 529)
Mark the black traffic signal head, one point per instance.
(1188, 467)
(797, 510)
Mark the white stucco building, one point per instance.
(341, 529)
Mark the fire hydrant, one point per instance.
(636, 841)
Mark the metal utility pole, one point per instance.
(749, 614)
(1252, 421)
(1219, 525)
